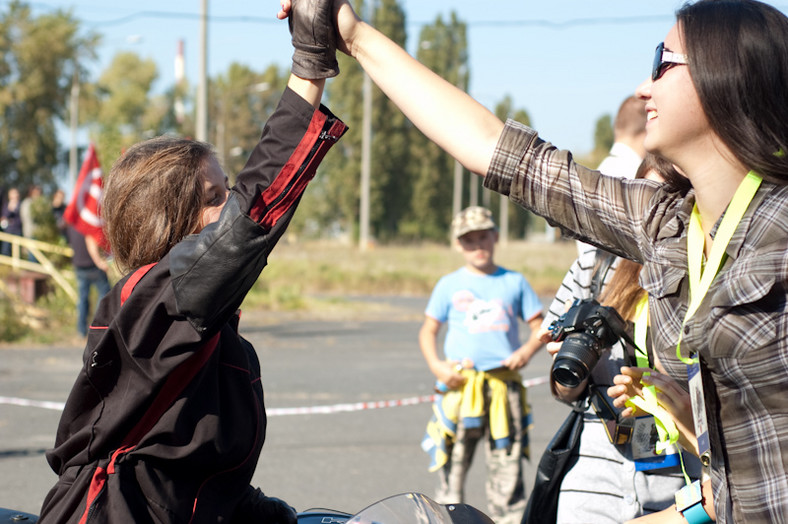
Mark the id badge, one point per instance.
(699, 412)
(644, 447)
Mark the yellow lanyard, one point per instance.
(666, 429)
(700, 277)
(641, 332)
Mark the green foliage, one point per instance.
(47, 229)
(116, 106)
(331, 205)
(410, 195)
(50, 319)
(442, 48)
(241, 100)
(391, 184)
(603, 139)
(38, 58)
(11, 326)
(520, 220)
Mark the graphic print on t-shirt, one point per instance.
(481, 315)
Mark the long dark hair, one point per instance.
(673, 179)
(738, 60)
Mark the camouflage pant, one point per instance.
(505, 486)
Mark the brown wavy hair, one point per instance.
(152, 198)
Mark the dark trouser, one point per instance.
(87, 277)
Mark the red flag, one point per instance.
(84, 210)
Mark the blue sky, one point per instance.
(566, 62)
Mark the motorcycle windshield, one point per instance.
(415, 508)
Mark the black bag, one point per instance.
(555, 462)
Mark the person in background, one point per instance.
(482, 303)
(10, 219)
(166, 419)
(614, 477)
(28, 217)
(58, 210)
(629, 131)
(91, 270)
(26, 212)
(716, 110)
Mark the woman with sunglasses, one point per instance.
(717, 109)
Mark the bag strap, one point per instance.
(602, 263)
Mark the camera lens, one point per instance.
(575, 360)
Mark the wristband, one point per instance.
(689, 502)
(695, 514)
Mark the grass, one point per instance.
(298, 271)
(317, 276)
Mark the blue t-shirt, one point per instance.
(482, 312)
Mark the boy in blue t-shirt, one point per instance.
(482, 388)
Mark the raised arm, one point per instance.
(446, 115)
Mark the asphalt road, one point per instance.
(344, 458)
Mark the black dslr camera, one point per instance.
(586, 330)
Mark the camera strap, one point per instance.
(602, 264)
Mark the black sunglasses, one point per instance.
(664, 60)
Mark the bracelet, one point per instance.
(696, 514)
(689, 502)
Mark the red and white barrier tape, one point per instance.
(272, 412)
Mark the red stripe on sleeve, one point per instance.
(288, 173)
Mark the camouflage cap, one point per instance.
(474, 218)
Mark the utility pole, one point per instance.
(366, 153)
(456, 204)
(503, 234)
(74, 124)
(201, 130)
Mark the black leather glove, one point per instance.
(256, 507)
(314, 39)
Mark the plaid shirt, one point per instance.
(740, 331)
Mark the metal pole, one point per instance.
(474, 194)
(503, 236)
(456, 204)
(201, 124)
(74, 124)
(366, 140)
(366, 152)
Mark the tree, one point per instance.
(603, 139)
(39, 57)
(333, 199)
(240, 102)
(115, 107)
(391, 164)
(519, 218)
(330, 207)
(442, 48)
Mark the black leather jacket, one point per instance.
(166, 420)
